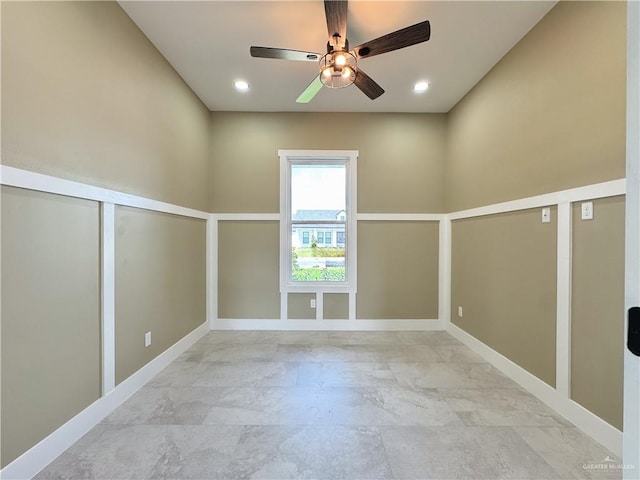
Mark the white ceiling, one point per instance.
(208, 42)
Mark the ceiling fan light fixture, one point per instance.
(338, 69)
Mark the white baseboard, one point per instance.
(602, 432)
(47, 450)
(372, 325)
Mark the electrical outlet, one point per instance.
(147, 339)
(312, 303)
(546, 215)
(460, 311)
(587, 210)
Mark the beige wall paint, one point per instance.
(160, 283)
(92, 100)
(50, 314)
(248, 269)
(397, 270)
(400, 168)
(597, 321)
(298, 306)
(504, 276)
(549, 116)
(87, 97)
(335, 306)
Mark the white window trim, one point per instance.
(286, 285)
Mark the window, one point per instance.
(318, 198)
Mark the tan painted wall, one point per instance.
(298, 306)
(50, 314)
(160, 283)
(597, 322)
(94, 101)
(549, 116)
(87, 97)
(397, 270)
(248, 270)
(504, 276)
(400, 168)
(336, 306)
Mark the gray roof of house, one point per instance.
(316, 214)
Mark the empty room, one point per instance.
(234, 246)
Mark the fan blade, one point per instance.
(310, 92)
(336, 13)
(284, 54)
(418, 33)
(365, 83)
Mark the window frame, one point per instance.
(310, 157)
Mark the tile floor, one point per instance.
(332, 405)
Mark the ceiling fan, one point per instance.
(339, 66)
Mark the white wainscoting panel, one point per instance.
(607, 435)
(46, 451)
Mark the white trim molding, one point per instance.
(563, 300)
(108, 317)
(588, 192)
(313, 154)
(323, 325)
(444, 272)
(319, 306)
(558, 398)
(401, 217)
(609, 436)
(16, 177)
(47, 450)
(246, 217)
(32, 461)
(40, 455)
(212, 270)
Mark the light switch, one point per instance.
(546, 215)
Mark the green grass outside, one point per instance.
(334, 274)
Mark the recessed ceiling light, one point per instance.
(420, 87)
(241, 85)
